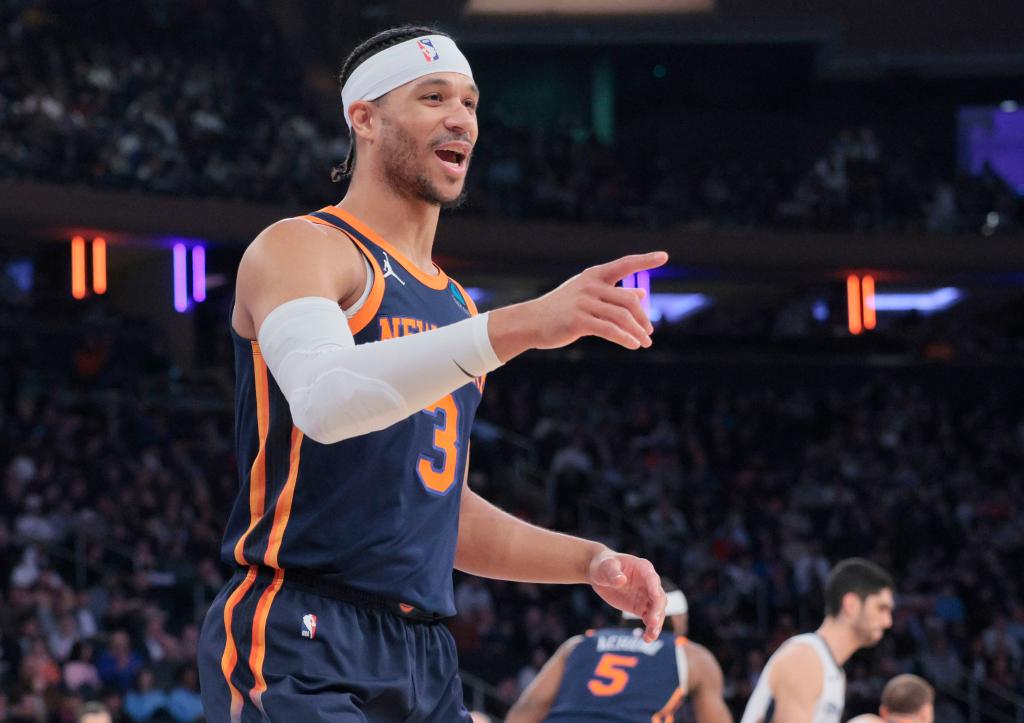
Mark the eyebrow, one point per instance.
(444, 82)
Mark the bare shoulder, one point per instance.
(705, 672)
(290, 259)
(566, 648)
(797, 670)
(697, 653)
(294, 242)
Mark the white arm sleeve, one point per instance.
(337, 389)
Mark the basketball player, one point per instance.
(804, 682)
(613, 675)
(359, 367)
(905, 699)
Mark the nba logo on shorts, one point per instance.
(309, 626)
(427, 48)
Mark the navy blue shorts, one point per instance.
(295, 655)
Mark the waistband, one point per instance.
(324, 587)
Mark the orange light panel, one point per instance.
(78, 267)
(868, 292)
(853, 304)
(99, 265)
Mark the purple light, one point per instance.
(643, 281)
(198, 274)
(926, 303)
(180, 280)
(676, 307)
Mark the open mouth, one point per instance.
(453, 159)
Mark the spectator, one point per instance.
(145, 700)
(119, 665)
(80, 674)
(184, 702)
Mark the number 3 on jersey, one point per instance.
(611, 674)
(439, 481)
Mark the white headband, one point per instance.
(675, 604)
(384, 71)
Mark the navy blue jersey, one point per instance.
(613, 675)
(379, 512)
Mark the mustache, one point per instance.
(464, 138)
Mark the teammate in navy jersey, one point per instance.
(359, 367)
(614, 675)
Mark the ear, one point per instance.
(363, 121)
(852, 604)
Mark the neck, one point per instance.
(407, 224)
(840, 639)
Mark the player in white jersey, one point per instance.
(804, 682)
(905, 699)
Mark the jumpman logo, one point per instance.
(388, 271)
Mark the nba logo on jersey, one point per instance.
(309, 626)
(427, 48)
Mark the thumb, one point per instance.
(609, 572)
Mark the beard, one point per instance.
(406, 175)
(868, 635)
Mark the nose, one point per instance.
(460, 121)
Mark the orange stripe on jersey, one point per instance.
(471, 305)
(668, 713)
(283, 508)
(229, 658)
(437, 281)
(369, 308)
(258, 472)
(681, 640)
(259, 638)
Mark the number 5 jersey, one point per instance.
(613, 675)
(377, 513)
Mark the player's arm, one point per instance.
(706, 686)
(292, 279)
(536, 701)
(493, 543)
(796, 682)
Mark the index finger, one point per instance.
(622, 267)
(655, 617)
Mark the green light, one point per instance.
(659, 71)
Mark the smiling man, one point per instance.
(804, 681)
(359, 367)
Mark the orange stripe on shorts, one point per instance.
(229, 658)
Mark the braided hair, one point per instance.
(366, 49)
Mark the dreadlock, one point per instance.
(366, 49)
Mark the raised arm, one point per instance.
(535, 703)
(292, 279)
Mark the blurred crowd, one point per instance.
(742, 486)
(230, 119)
(130, 110)
(745, 488)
